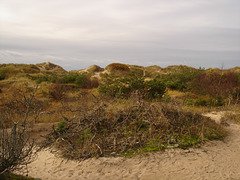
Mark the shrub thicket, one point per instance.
(3, 72)
(104, 130)
(57, 92)
(218, 85)
(180, 80)
(16, 149)
(78, 79)
(45, 78)
(81, 80)
(124, 87)
(2, 75)
(204, 102)
(154, 89)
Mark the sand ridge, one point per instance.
(214, 160)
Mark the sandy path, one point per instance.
(215, 160)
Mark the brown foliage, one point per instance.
(216, 84)
(91, 83)
(15, 148)
(57, 92)
(15, 105)
(118, 67)
(104, 130)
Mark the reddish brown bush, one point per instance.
(91, 83)
(57, 92)
(216, 84)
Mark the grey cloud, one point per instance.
(81, 33)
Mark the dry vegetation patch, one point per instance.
(118, 68)
(122, 114)
(106, 129)
(233, 114)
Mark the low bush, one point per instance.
(81, 80)
(210, 102)
(218, 85)
(61, 126)
(75, 78)
(124, 87)
(180, 80)
(105, 130)
(7, 71)
(16, 148)
(2, 76)
(188, 102)
(154, 89)
(201, 102)
(57, 92)
(119, 87)
(45, 78)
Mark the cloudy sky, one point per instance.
(79, 33)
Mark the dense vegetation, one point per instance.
(125, 86)
(105, 129)
(213, 87)
(122, 110)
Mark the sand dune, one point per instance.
(215, 160)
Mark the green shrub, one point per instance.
(166, 97)
(209, 102)
(3, 73)
(187, 141)
(2, 76)
(78, 79)
(154, 145)
(123, 87)
(46, 78)
(188, 102)
(201, 102)
(61, 126)
(180, 80)
(115, 88)
(6, 72)
(154, 89)
(219, 101)
(75, 78)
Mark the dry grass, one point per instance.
(175, 93)
(152, 71)
(126, 127)
(234, 114)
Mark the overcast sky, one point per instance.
(79, 33)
